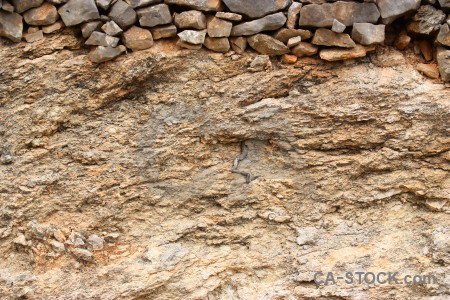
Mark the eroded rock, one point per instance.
(256, 8)
(265, 44)
(270, 22)
(76, 12)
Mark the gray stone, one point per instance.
(23, 5)
(284, 34)
(137, 38)
(102, 39)
(111, 28)
(325, 37)
(265, 44)
(162, 32)
(392, 9)
(204, 5)
(229, 16)
(83, 254)
(6, 6)
(256, 8)
(304, 49)
(95, 241)
(22, 241)
(443, 60)
(34, 36)
(426, 21)
(368, 34)
(270, 22)
(103, 54)
(219, 28)
(190, 19)
(445, 4)
(220, 44)
(123, 14)
(57, 246)
(443, 37)
(155, 15)
(46, 14)
(76, 12)
(338, 26)
(88, 28)
(293, 15)
(11, 26)
(323, 15)
(192, 36)
(142, 3)
(103, 4)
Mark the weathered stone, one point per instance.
(32, 29)
(219, 28)
(95, 242)
(338, 26)
(270, 22)
(23, 5)
(304, 49)
(192, 36)
(53, 28)
(103, 4)
(368, 34)
(326, 37)
(265, 44)
(190, 19)
(402, 41)
(392, 9)
(83, 254)
(155, 15)
(34, 36)
(220, 44)
(443, 60)
(103, 54)
(46, 14)
(111, 28)
(11, 26)
(228, 16)
(204, 5)
(426, 21)
(443, 37)
(6, 6)
(323, 15)
(123, 14)
(88, 28)
(76, 12)
(102, 39)
(294, 41)
(293, 15)
(57, 246)
(260, 63)
(428, 70)
(445, 4)
(426, 49)
(289, 59)
(22, 241)
(256, 8)
(162, 32)
(141, 3)
(335, 54)
(284, 34)
(190, 46)
(137, 38)
(238, 44)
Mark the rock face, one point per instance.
(11, 26)
(270, 22)
(76, 12)
(343, 54)
(256, 8)
(103, 54)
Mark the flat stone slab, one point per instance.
(270, 22)
(256, 8)
(335, 54)
(265, 44)
(443, 59)
(368, 34)
(326, 37)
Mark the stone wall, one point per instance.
(335, 30)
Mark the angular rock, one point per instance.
(284, 34)
(11, 26)
(428, 70)
(6, 6)
(123, 14)
(323, 15)
(338, 26)
(265, 44)
(57, 246)
(95, 242)
(335, 54)
(270, 22)
(220, 44)
(46, 14)
(23, 5)
(443, 37)
(155, 15)
(53, 28)
(326, 37)
(111, 28)
(103, 54)
(426, 21)
(219, 28)
(256, 8)
(162, 32)
(192, 36)
(183, 44)
(102, 39)
(368, 34)
(293, 15)
(289, 59)
(402, 41)
(294, 41)
(190, 19)
(392, 9)
(445, 4)
(204, 5)
(228, 16)
(137, 38)
(83, 254)
(142, 3)
(238, 44)
(33, 36)
(260, 63)
(443, 60)
(304, 49)
(103, 4)
(76, 12)
(426, 49)
(88, 28)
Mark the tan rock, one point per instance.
(426, 49)
(33, 37)
(335, 54)
(265, 44)
(183, 44)
(219, 28)
(294, 41)
(229, 16)
(289, 59)
(403, 40)
(304, 49)
(217, 44)
(137, 38)
(284, 34)
(238, 44)
(326, 37)
(46, 14)
(428, 70)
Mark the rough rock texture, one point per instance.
(270, 22)
(352, 166)
(11, 26)
(256, 8)
(76, 12)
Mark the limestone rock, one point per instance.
(428, 70)
(443, 37)
(46, 14)
(228, 16)
(155, 15)
(220, 44)
(83, 254)
(123, 14)
(204, 5)
(392, 9)
(293, 15)
(53, 28)
(323, 15)
(23, 5)
(219, 28)
(294, 41)
(326, 37)
(443, 60)
(256, 8)
(335, 54)
(161, 32)
(6, 6)
(11, 26)
(103, 4)
(190, 19)
(76, 12)
(265, 44)
(304, 49)
(102, 39)
(35, 36)
(111, 28)
(368, 34)
(183, 44)
(338, 26)
(88, 28)
(289, 59)
(270, 22)
(95, 242)
(137, 38)
(426, 21)
(142, 3)
(103, 54)
(238, 44)
(193, 36)
(284, 34)
(57, 246)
